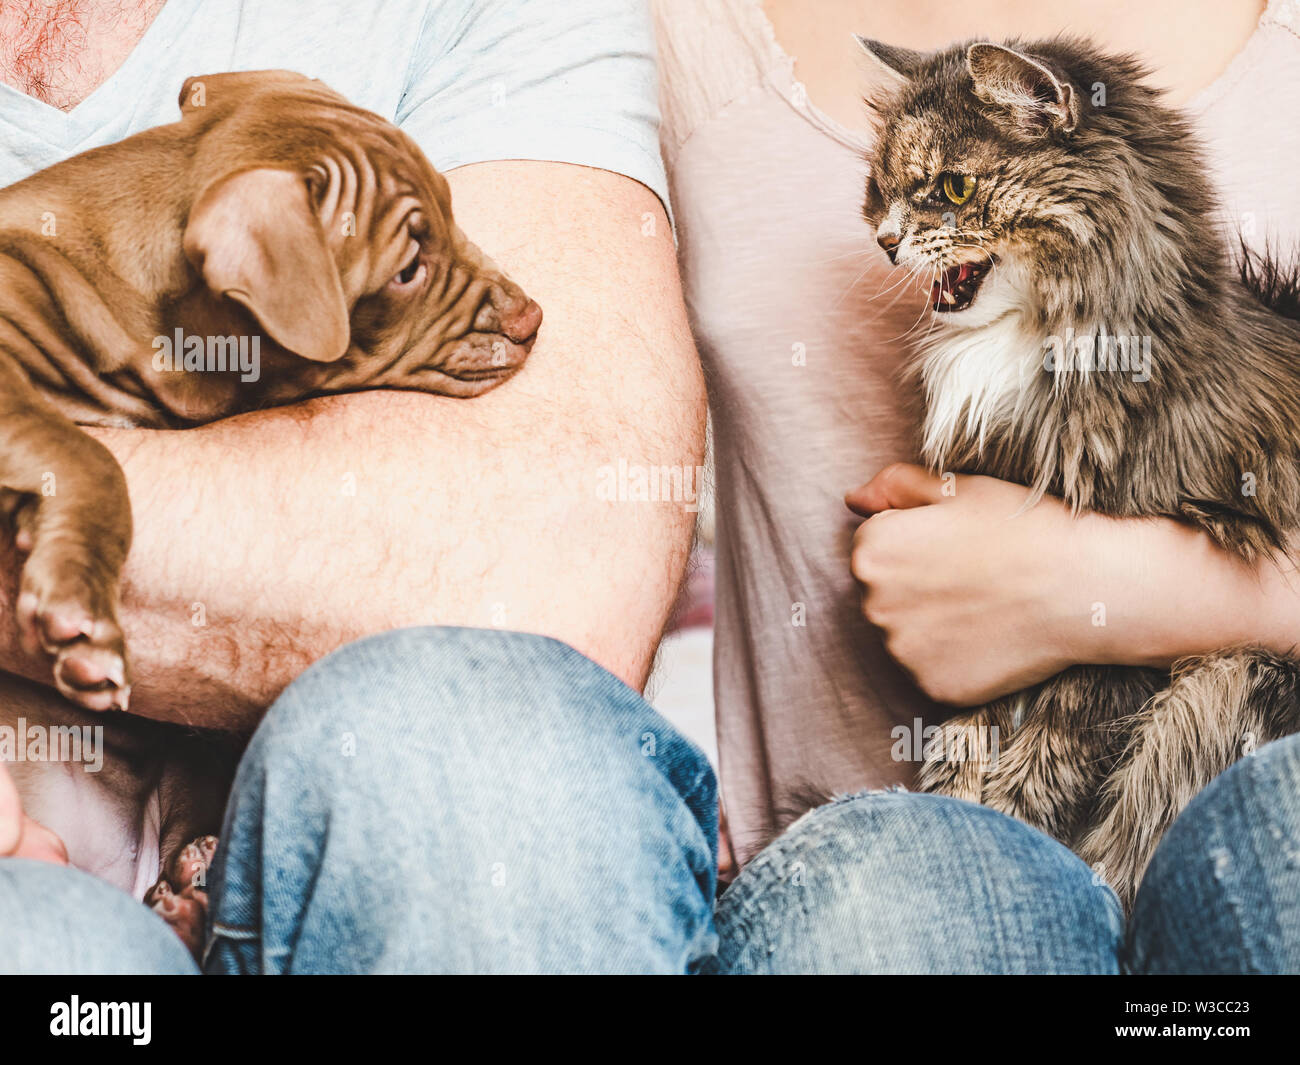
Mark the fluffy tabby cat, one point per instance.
(1093, 340)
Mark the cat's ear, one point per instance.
(1036, 99)
(900, 64)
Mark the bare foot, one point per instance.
(180, 897)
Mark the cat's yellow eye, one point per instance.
(958, 188)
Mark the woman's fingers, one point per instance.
(898, 486)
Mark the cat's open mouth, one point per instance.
(956, 287)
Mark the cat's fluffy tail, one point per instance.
(1275, 282)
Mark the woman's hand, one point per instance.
(977, 597)
(20, 836)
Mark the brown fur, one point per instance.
(272, 210)
(1090, 216)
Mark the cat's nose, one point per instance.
(889, 243)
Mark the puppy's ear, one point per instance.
(1034, 98)
(202, 91)
(255, 239)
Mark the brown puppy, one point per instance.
(276, 243)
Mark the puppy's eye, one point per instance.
(409, 273)
(957, 188)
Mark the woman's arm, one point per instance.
(978, 599)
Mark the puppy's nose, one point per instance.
(889, 242)
(521, 323)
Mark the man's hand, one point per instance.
(265, 541)
(978, 597)
(20, 836)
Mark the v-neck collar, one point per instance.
(780, 74)
(117, 92)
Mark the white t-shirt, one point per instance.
(469, 80)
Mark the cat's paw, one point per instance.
(69, 611)
(1115, 860)
(957, 779)
(180, 897)
(955, 766)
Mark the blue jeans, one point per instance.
(438, 800)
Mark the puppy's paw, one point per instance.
(180, 897)
(70, 613)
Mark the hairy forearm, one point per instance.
(265, 541)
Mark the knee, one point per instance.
(901, 882)
(465, 707)
(1219, 884)
(1261, 788)
(502, 781)
(59, 920)
(431, 680)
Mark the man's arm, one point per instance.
(263, 542)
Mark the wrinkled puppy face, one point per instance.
(337, 236)
(431, 310)
(433, 302)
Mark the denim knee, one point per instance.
(465, 800)
(480, 702)
(55, 920)
(1222, 893)
(895, 882)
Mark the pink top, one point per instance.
(798, 328)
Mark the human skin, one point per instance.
(263, 542)
(20, 836)
(973, 602)
(979, 598)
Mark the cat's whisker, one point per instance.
(939, 273)
(993, 261)
(851, 286)
(902, 336)
(900, 281)
(934, 321)
(905, 291)
(847, 255)
(977, 247)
